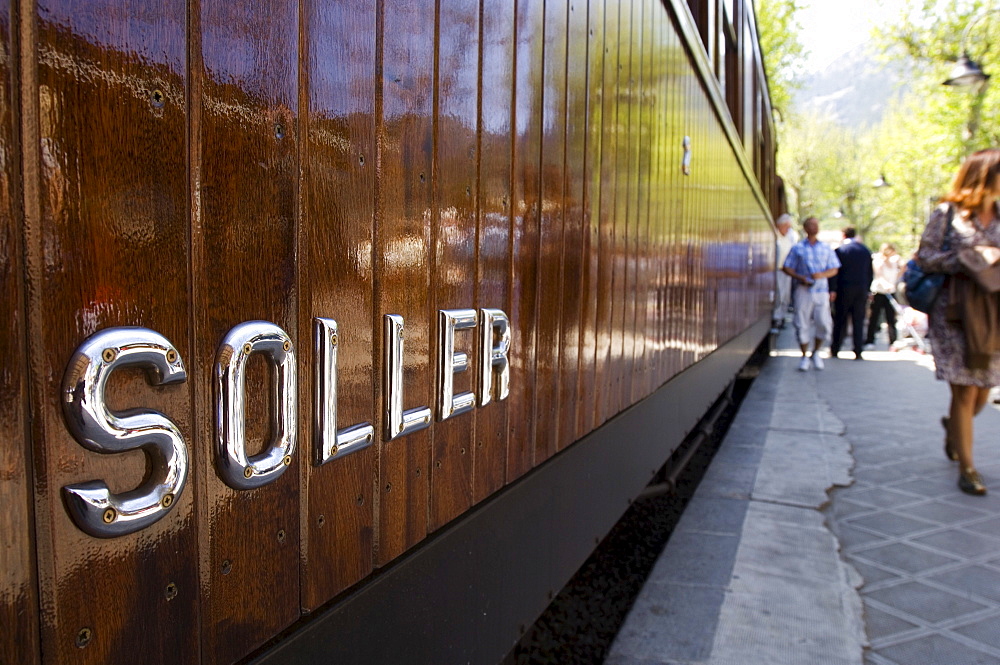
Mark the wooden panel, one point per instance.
(494, 236)
(661, 211)
(106, 227)
(575, 233)
(244, 250)
(550, 241)
(627, 223)
(604, 373)
(592, 218)
(403, 248)
(336, 280)
(676, 229)
(643, 282)
(454, 241)
(18, 585)
(524, 252)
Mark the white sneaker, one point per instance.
(804, 364)
(817, 361)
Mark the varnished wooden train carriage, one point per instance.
(337, 331)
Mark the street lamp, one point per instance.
(968, 74)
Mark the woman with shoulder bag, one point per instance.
(961, 240)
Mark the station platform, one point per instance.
(829, 529)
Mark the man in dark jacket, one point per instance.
(851, 291)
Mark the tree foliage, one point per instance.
(831, 171)
(783, 51)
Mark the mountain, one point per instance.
(855, 89)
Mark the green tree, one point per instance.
(929, 38)
(783, 52)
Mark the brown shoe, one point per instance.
(970, 482)
(949, 451)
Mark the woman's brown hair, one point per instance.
(976, 177)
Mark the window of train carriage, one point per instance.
(749, 88)
(730, 61)
(706, 17)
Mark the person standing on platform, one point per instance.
(965, 317)
(887, 268)
(851, 291)
(810, 264)
(786, 238)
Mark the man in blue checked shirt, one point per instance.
(809, 264)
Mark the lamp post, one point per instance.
(968, 74)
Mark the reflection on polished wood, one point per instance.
(450, 155)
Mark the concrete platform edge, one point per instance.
(752, 573)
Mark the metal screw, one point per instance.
(83, 637)
(247, 472)
(171, 356)
(321, 520)
(286, 460)
(109, 355)
(361, 159)
(281, 535)
(361, 500)
(167, 500)
(423, 178)
(158, 98)
(227, 567)
(287, 346)
(279, 130)
(247, 348)
(463, 451)
(171, 591)
(333, 339)
(437, 464)
(334, 450)
(388, 487)
(109, 516)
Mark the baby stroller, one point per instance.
(913, 321)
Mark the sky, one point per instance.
(831, 28)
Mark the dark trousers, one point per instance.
(849, 304)
(880, 303)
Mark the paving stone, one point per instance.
(890, 524)
(852, 538)
(939, 485)
(696, 558)
(711, 514)
(990, 527)
(901, 556)
(881, 497)
(990, 502)
(936, 650)
(976, 580)
(960, 542)
(925, 602)
(943, 512)
(734, 481)
(748, 456)
(870, 573)
(841, 507)
(882, 624)
(986, 631)
(670, 622)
